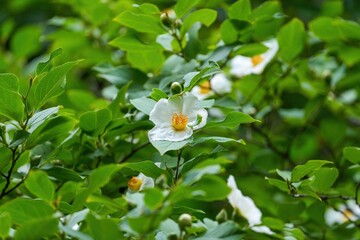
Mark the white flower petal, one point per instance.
(262, 229)
(165, 132)
(241, 66)
(203, 114)
(147, 182)
(220, 84)
(245, 205)
(333, 217)
(196, 91)
(162, 112)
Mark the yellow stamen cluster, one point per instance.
(205, 87)
(135, 183)
(257, 59)
(347, 214)
(179, 122)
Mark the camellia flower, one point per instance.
(246, 207)
(140, 182)
(218, 84)
(348, 211)
(241, 66)
(176, 118)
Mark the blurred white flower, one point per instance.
(246, 207)
(242, 66)
(348, 211)
(219, 84)
(176, 118)
(140, 182)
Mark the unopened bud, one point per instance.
(176, 88)
(165, 19)
(222, 216)
(185, 220)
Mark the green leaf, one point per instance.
(193, 78)
(252, 49)
(24, 210)
(286, 175)
(49, 85)
(11, 104)
(5, 159)
(215, 139)
(278, 183)
(164, 146)
(46, 66)
(157, 94)
(153, 198)
(32, 34)
(20, 136)
(64, 174)
(5, 225)
(352, 154)
(39, 184)
(324, 179)
(301, 171)
(232, 120)
(225, 230)
(228, 32)
(143, 104)
(205, 16)
(197, 173)
(210, 188)
(140, 22)
(240, 10)
(148, 168)
(94, 123)
(184, 6)
(103, 229)
(38, 118)
(37, 229)
(291, 40)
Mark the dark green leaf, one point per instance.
(232, 120)
(205, 16)
(11, 104)
(94, 123)
(352, 154)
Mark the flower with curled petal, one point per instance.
(176, 118)
(218, 84)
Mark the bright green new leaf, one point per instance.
(23, 210)
(5, 225)
(324, 179)
(228, 32)
(38, 118)
(94, 123)
(103, 229)
(352, 154)
(278, 183)
(210, 188)
(193, 78)
(48, 85)
(205, 16)
(141, 22)
(11, 104)
(143, 104)
(184, 6)
(39, 184)
(37, 229)
(232, 120)
(301, 171)
(251, 50)
(46, 66)
(26, 41)
(240, 10)
(291, 40)
(153, 198)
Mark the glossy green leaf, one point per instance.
(232, 120)
(64, 174)
(143, 104)
(240, 10)
(301, 171)
(37, 229)
(251, 50)
(5, 225)
(38, 118)
(39, 184)
(225, 230)
(148, 168)
(103, 229)
(324, 179)
(46, 66)
(205, 16)
(49, 85)
(184, 6)
(11, 104)
(291, 39)
(229, 33)
(23, 210)
(94, 123)
(153, 198)
(352, 154)
(20, 136)
(32, 35)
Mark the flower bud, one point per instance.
(165, 19)
(222, 216)
(172, 236)
(185, 220)
(176, 88)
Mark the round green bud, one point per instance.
(222, 216)
(185, 220)
(176, 88)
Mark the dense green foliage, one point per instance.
(86, 84)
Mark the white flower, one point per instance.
(140, 182)
(246, 207)
(348, 211)
(176, 118)
(219, 84)
(241, 66)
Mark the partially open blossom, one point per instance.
(140, 182)
(176, 118)
(218, 84)
(242, 66)
(345, 213)
(246, 207)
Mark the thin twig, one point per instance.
(178, 165)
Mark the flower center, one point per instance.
(135, 183)
(205, 87)
(347, 215)
(257, 59)
(179, 122)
